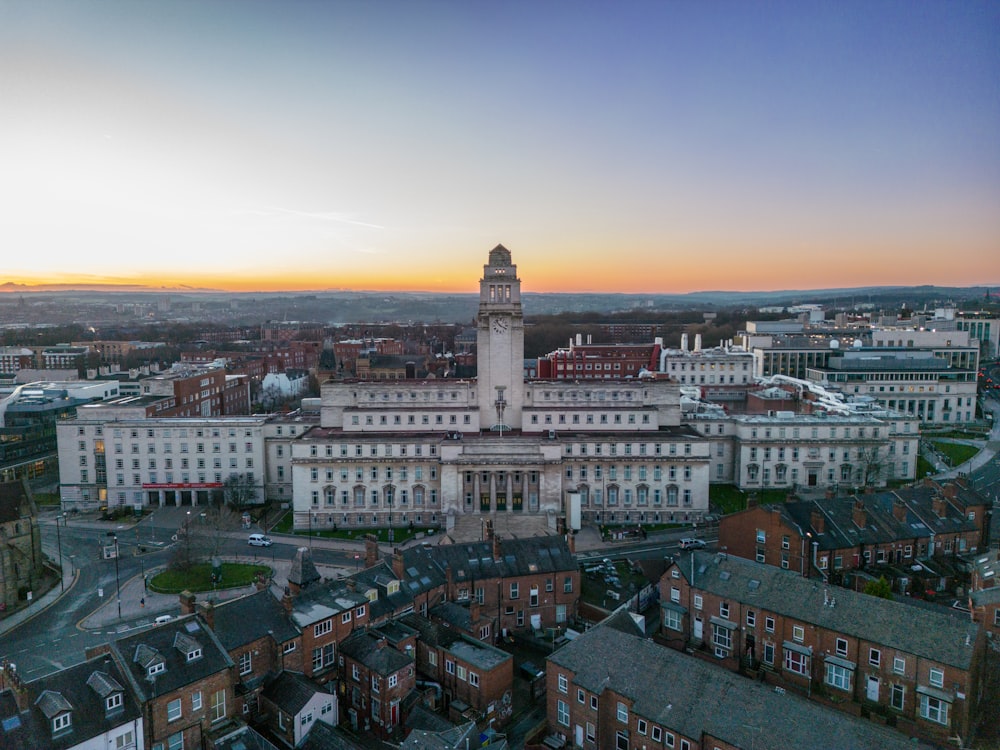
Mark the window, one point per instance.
(175, 741)
(899, 665)
(321, 628)
(473, 679)
(246, 663)
(432, 658)
(563, 683)
(697, 601)
(218, 706)
(841, 647)
(196, 701)
(174, 710)
(874, 657)
(934, 709)
(62, 721)
(897, 697)
(622, 713)
(581, 696)
(798, 633)
(345, 618)
(723, 640)
(796, 662)
(751, 618)
(460, 672)
(671, 619)
(562, 713)
(641, 726)
(114, 701)
(656, 734)
(591, 732)
(124, 740)
(936, 678)
(838, 677)
(724, 609)
(513, 591)
(449, 666)
(568, 585)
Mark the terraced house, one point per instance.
(919, 669)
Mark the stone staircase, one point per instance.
(469, 528)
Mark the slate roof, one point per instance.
(926, 634)
(469, 650)
(239, 622)
(82, 690)
(425, 567)
(324, 737)
(290, 691)
(374, 653)
(688, 696)
(882, 527)
(317, 603)
(454, 614)
(179, 672)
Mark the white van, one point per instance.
(259, 540)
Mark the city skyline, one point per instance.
(638, 147)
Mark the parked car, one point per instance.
(689, 543)
(259, 540)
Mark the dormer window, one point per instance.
(62, 722)
(187, 646)
(194, 654)
(114, 701)
(156, 668)
(392, 587)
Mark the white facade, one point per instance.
(156, 461)
(424, 451)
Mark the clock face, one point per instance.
(500, 325)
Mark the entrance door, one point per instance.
(578, 736)
(813, 477)
(484, 502)
(518, 502)
(872, 692)
(501, 501)
(697, 629)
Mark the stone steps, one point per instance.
(469, 528)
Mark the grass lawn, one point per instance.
(46, 498)
(956, 452)
(399, 533)
(924, 468)
(199, 578)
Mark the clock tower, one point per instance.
(500, 344)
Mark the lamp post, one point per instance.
(118, 587)
(62, 580)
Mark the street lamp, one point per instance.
(62, 579)
(118, 586)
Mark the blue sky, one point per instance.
(636, 146)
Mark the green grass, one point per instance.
(924, 468)
(399, 533)
(727, 498)
(956, 452)
(46, 498)
(199, 578)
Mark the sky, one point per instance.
(633, 146)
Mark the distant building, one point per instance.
(21, 560)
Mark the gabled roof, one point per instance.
(688, 696)
(426, 567)
(83, 690)
(931, 635)
(240, 622)
(136, 649)
(374, 652)
(291, 692)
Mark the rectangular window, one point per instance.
(174, 710)
(897, 697)
(841, 647)
(936, 678)
(563, 683)
(874, 657)
(899, 665)
(838, 677)
(218, 712)
(622, 713)
(798, 633)
(196, 701)
(796, 662)
(245, 663)
(562, 713)
(934, 709)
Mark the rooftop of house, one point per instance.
(463, 647)
(374, 652)
(238, 622)
(290, 691)
(170, 656)
(84, 691)
(690, 697)
(930, 635)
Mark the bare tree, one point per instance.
(871, 467)
(239, 492)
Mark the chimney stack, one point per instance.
(473, 611)
(950, 490)
(571, 542)
(397, 564)
(286, 600)
(818, 521)
(371, 551)
(187, 603)
(899, 510)
(207, 612)
(497, 554)
(939, 506)
(858, 514)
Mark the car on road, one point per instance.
(689, 543)
(259, 540)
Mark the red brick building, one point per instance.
(919, 667)
(598, 361)
(197, 392)
(377, 676)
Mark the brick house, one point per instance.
(183, 677)
(984, 593)
(478, 675)
(612, 688)
(377, 677)
(918, 667)
(293, 704)
(87, 706)
(261, 640)
(822, 537)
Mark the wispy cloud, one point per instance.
(335, 217)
